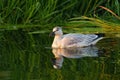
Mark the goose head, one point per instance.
(57, 31)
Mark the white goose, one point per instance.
(73, 40)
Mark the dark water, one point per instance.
(25, 56)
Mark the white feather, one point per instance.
(73, 40)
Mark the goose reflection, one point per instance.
(59, 54)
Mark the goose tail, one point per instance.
(100, 36)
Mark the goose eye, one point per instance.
(57, 29)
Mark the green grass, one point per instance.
(93, 23)
(54, 12)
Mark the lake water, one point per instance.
(25, 56)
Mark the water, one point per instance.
(25, 56)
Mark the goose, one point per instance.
(73, 39)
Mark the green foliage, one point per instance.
(114, 5)
(92, 22)
(45, 12)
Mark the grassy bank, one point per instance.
(48, 13)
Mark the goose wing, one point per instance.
(78, 38)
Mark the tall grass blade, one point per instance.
(110, 11)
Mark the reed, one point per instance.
(55, 12)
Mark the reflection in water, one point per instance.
(89, 51)
(23, 57)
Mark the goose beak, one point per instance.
(52, 34)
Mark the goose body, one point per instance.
(73, 40)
